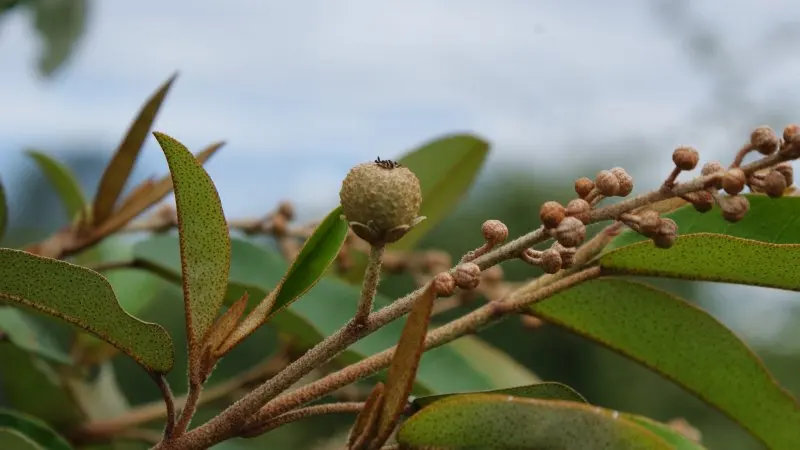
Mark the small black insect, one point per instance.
(387, 163)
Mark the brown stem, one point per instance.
(302, 413)
(189, 408)
(747, 148)
(169, 403)
(370, 287)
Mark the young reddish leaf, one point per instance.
(225, 325)
(33, 429)
(83, 298)
(64, 182)
(503, 421)
(121, 164)
(146, 195)
(3, 211)
(403, 370)
(543, 391)
(204, 242)
(685, 345)
(366, 424)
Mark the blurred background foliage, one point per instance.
(502, 192)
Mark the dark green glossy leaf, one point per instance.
(685, 345)
(503, 421)
(543, 391)
(121, 164)
(29, 335)
(711, 257)
(446, 168)
(64, 182)
(61, 24)
(676, 440)
(204, 242)
(34, 429)
(83, 298)
(15, 440)
(328, 306)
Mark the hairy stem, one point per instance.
(302, 413)
(169, 402)
(192, 402)
(370, 287)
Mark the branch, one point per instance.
(302, 413)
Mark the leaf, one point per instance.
(83, 298)
(121, 164)
(710, 257)
(503, 421)
(366, 422)
(676, 440)
(542, 391)
(34, 429)
(446, 168)
(204, 242)
(496, 366)
(685, 345)
(64, 181)
(325, 308)
(3, 212)
(225, 325)
(61, 23)
(405, 362)
(13, 439)
(29, 335)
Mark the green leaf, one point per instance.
(34, 429)
(29, 335)
(685, 345)
(543, 391)
(496, 366)
(64, 182)
(83, 298)
(15, 440)
(121, 164)
(502, 421)
(676, 440)
(3, 211)
(325, 308)
(60, 23)
(446, 168)
(710, 257)
(204, 241)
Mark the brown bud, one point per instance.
(712, 167)
(494, 232)
(733, 181)
(286, 209)
(791, 133)
(607, 183)
(567, 254)
(735, 208)
(649, 222)
(467, 276)
(774, 184)
(764, 140)
(625, 181)
(444, 284)
(785, 168)
(583, 186)
(579, 208)
(571, 232)
(702, 201)
(667, 234)
(685, 158)
(552, 213)
(551, 261)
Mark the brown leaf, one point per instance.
(255, 319)
(225, 325)
(367, 421)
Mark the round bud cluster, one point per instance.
(570, 232)
(580, 209)
(551, 261)
(764, 140)
(733, 181)
(467, 276)
(734, 208)
(685, 158)
(583, 187)
(552, 213)
(625, 181)
(444, 284)
(774, 184)
(607, 183)
(494, 232)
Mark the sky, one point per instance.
(303, 90)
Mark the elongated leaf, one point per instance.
(542, 391)
(204, 242)
(64, 182)
(83, 298)
(496, 365)
(3, 211)
(121, 164)
(61, 24)
(325, 308)
(28, 335)
(446, 168)
(684, 344)
(503, 421)
(34, 429)
(367, 420)
(711, 257)
(676, 440)
(10, 438)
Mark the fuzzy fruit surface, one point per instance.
(383, 194)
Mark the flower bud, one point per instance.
(494, 232)
(570, 232)
(607, 183)
(774, 184)
(764, 140)
(579, 208)
(649, 222)
(685, 158)
(735, 208)
(444, 284)
(625, 181)
(733, 181)
(583, 186)
(551, 261)
(552, 213)
(791, 133)
(467, 276)
(785, 168)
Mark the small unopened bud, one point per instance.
(467, 276)
(567, 254)
(444, 284)
(764, 140)
(702, 201)
(785, 169)
(494, 232)
(685, 158)
(712, 167)
(579, 208)
(286, 209)
(552, 213)
(571, 232)
(735, 208)
(649, 222)
(583, 187)
(551, 261)
(791, 133)
(774, 184)
(625, 181)
(667, 234)
(607, 183)
(733, 181)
